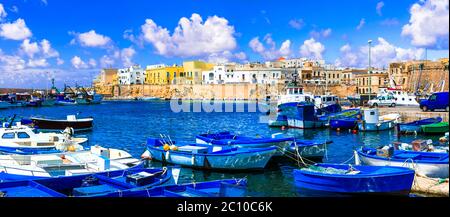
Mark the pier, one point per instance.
(413, 113)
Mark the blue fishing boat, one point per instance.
(89, 185)
(205, 156)
(373, 122)
(228, 139)
(343, 123)
(303, 116)
(218, 188)
(348, 179)
(415, 126)
(431, 164)
(123, 186)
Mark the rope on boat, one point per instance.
(352, 157)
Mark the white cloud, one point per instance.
(428, 25)
(78, 63)
(379, 7)
(91, 39)
(14, 9)
(312, 49)
(226, 57)
(17, 30)
(41, 62)
(59, 61)
(297, 23)
(92, 63)
(10, 63)
(382, 54)
(321, 33)
(361, 24)
(192, 37)
(271, 52)
(29, 49)
(107, 61)
(44, 2)
(3, 13)
(126, 55)
(44, 48)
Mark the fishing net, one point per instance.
(330, 170)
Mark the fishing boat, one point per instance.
(96, 159)
(345, 119)
(373, 122)
(104, 185)
(309, 149)
(78, 124)
(431, 164)
(88, 185)
(303, 116)
(217, 188)
(436, 128)
(416, 126)
(294, 94)
(23, 140)
(349, 179)
(205, 156)
(228, 139)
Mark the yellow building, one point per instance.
(193, 72)
(161, 74)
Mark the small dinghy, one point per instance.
(23, 140)
(415, 126)
(218, 188)
(430, 164)
(436, 128)
(209, 156)
(373, 122)
(90, 185)
(348, 179)
(234, 140)
(72, 121)
(97, 159)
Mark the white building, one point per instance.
(131, 75)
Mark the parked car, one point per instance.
(438, 100)
(382, 101)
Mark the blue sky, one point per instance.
(87, 35)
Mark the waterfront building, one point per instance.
(258, 75)
(372, 81)
(131, 75)
(220, 74)
(420, 75)
(108, 76)
(162, 74)
(193, 71)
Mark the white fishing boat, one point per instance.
(97, 159)
(372, 121)
(430, 164)
(21, 139)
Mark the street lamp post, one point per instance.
(368, 71)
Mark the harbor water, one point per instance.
(127, 124)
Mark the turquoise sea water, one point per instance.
(126, 125)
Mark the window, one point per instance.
(23, 135)
(8, 136)
(433, 97)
